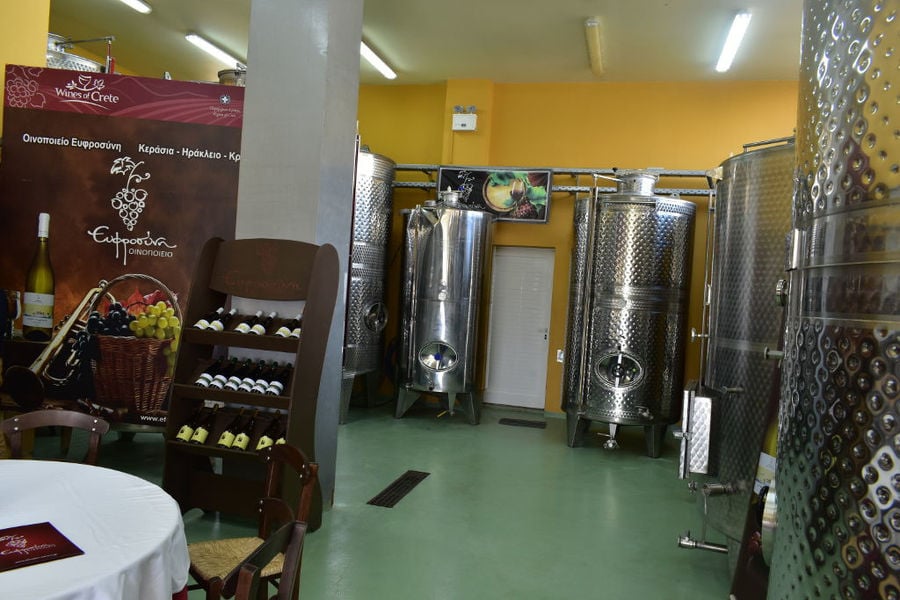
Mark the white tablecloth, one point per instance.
(131, 532)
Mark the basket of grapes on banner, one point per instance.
(133, 356)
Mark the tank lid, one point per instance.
(638, 182)
(449, 197)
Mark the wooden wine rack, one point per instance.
(260, 269)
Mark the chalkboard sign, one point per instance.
(511, 194)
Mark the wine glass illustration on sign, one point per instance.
(129, 201)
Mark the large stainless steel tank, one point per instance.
(838, 481)
(629, 287)
(725, 417)
(366, 311)
(446, 259)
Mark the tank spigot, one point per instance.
(697, 336)
(772, 354)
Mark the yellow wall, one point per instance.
(23, 35)
(693, 126)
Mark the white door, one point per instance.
(521, 292)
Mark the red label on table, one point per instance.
(33, 544)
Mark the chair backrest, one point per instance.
(13, 428)
(285, 455)
(286, 540)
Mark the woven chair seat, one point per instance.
(217, 558)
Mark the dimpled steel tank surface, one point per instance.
(627, 309)
(366, 311)
(837, 531)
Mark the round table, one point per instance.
(130, 530)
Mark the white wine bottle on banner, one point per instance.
(37, 314)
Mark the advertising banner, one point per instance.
(136, 174)
(511, 194)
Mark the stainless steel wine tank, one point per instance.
(629, 285)
(838, 479)
(446, 260)
(724, 418)
(366, 313)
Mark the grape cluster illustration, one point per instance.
(129, 201)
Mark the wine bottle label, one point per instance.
(200, 435)
(283, 331)
(233, 383)
(226, 439)
(37, 310)
(202, 324)
(280, 440)
(204, 379)
(295, 333)
(242, 328)
(216, 325)
(184, 434)
(275, 388)
(247, 384)
(218, 381)
(259, 386)
(258, 329)
(241, 441)
(264, 442)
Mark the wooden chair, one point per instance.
(215, 563)
(68, 420)
(286, 542)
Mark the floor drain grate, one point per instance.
(524, 423)
(401, 486)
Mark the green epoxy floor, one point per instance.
(506, 513)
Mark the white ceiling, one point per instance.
(500, 40)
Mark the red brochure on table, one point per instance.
(33, 544)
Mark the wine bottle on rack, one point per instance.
(201, 432)
(211, 371)
(290, 328)
(264, 378)
(249, 380)
(263, 325)
(208, 318)
(248, 323)
(237, 376)
(271, 433)
(220, 323)
(242, 439)
(226, 439)
(187, 429)
(221, 378)
(280, 381)
(37, 312)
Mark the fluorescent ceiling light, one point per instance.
(212, 50)
(138, 5)
(376, 62)
(592, 36)
(735, 35)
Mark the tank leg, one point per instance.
(472, 407)
(405, 399)
(654, 436)
(576, 427)
(373, 379)
(346, 392)
(611, 443)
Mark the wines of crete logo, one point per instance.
(129, 202)
(86, 90)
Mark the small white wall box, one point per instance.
(464, 122)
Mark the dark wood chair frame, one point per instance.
(278, 458)
(288, 539)
(14, 426)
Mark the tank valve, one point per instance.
(772, 354)
(686, 541)
(697, 336)
(717, 489)
(781, 292)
